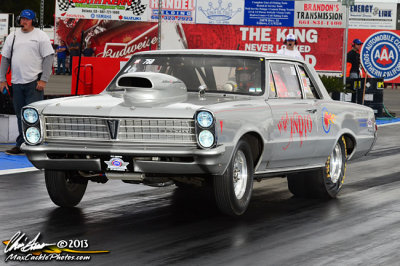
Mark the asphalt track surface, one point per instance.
(160, 226)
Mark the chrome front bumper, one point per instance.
(205, 161)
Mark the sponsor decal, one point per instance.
(20, 248)
(380, 55)
(298, 124)
(365, 122)
(328, 119)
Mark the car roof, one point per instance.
(220, 52)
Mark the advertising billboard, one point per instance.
(120, 10)
(373, 16)
(319, 14)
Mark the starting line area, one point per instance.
(10, 164)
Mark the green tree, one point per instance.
(15, 7)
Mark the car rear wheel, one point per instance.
(234, 188)
(65, 189)
(325, 182)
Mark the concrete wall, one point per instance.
(8, 128)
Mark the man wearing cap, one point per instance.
(353, 60)
(290, 47)
(29, 53)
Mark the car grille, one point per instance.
(135, 130)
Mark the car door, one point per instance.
(294, 118)
(326, 115)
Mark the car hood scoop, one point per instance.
(147, 89)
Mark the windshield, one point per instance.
(221, 74)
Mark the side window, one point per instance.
(309, 88)
(286, 80)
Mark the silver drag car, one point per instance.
(199, 118)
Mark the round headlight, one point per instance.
(205, 119)
(30, 115)
(206, 139)
(32, 135)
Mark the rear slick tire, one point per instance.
(65, 189)
(233, 189)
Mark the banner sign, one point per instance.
(373, 16)
(174, 10)
(131, 10)
(226, 12)
(319, 14)
(3, 25)
(380, 55)
(398, 17)
(269, 13)
(3, 28)
(321, 47)
(110, 38)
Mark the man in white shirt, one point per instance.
(290, 47)
(29, 53)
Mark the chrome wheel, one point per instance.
(233, 189)
(336, 163)
(325, 182)
(240, 174)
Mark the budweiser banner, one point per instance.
(110, 38)
(320, 14)
(130, 10)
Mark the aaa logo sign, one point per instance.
(380, 55)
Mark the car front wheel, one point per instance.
(325, 182)
(65, 189)
(234, 188)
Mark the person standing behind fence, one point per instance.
(290, 47)
(61, 56)
(29, 53)
(88, 51)
(74, 50)
(353, 70)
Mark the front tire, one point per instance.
(65, 189)
(234, 188)
(325, 182)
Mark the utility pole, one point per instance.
(347, 3)
(159, 23)
(41, 14)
